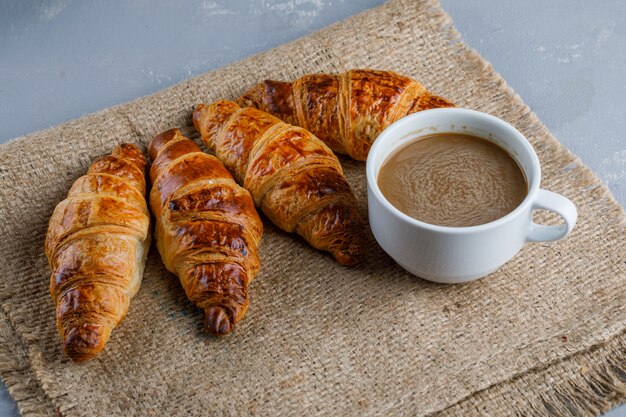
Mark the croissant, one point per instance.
(96, 245)
(294, 178)
(207, 229)
(347, 111)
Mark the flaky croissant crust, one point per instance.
(294, 178)
(207, 229)
(347, 111)
(96, 245)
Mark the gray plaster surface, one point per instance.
(61, 59)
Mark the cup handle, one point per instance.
(560, 205)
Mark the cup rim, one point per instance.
(414, 120)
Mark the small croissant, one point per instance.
(207, 229)
(294, 178)
(347, 111)
(97, 242)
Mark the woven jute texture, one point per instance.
(543, 335)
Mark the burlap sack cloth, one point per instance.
(543, 335)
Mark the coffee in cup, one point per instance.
(453, 179)
(456, 253)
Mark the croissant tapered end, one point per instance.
(217, 321)
(131, 153)
(274, 97)
(218, 113)
(351, 256)
(198, 111)
(253, 97)
(349, 247)
(338, 229)
(429, 101)
(85, 341)
(160, 140)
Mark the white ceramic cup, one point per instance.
(460, 254)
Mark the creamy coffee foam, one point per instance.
(453, 179)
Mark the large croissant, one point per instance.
(97, 242)
(293, 177)
(207, 229)
(347, 111)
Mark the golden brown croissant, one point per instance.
(207, 229)
(347, 111)
(293, 177)
(97, 243)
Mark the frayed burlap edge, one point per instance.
(586, 383)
